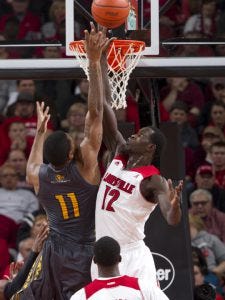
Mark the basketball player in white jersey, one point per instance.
(130, 190)
(110, 285)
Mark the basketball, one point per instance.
(110, 13)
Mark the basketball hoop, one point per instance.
(123, 56)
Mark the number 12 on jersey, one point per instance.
(114, 195)
(63, 205)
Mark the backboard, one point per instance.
(133, 29)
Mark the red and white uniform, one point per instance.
(119, 288)
(121, 213)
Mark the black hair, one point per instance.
(218, 103)
(159, 139)
(107, 252)
(199, 260)
(56, 148)
(219, 144)
(204, 292)
(180, 105)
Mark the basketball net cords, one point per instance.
(119, 70)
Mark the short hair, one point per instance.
(219, 144)
(218, 103)
(106, 252)
(159, 139)
(179, 105)
(56, 148)
(197, 192)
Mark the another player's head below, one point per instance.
(148, 144)
(107, 256)
(59, 149)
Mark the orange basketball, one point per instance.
(110, 13)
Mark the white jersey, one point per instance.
(119, 288)
(121, 210)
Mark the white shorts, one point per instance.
(136, 261)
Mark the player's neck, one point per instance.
(137, 160)
(106, 272)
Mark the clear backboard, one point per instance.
(135, 27)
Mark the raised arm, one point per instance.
(36, 155)
(112, 138)
(94, 43)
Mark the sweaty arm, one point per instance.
(112, 138)
(158, 190)
(90, 146)
(36, 155)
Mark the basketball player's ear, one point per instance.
(120, 258)
(151, 147)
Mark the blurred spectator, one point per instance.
(28, 24)
(203, 290)
(205, 179)
(23, 86)
(14, 203)
(25, 247)
(202, 154)
(56, 14)
(209, 277)
(25, 112)
(81, 92)
(75, 118)
(202, 205)
(205, 21)
(211, 246)
(217, 115)
(215, 92)
(179, 114)
(13, 138)
(55, 92)
(193, 50)
(218, 162)
(183, 90)
(18, 160)
(27, 225)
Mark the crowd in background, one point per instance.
(197, 105)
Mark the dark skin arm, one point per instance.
(157, 189)
(112, 138)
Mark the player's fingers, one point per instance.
(93, 29)
(170, 184)
(86, 36)
(98, 38)
(46, 110)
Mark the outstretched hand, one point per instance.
(175, 193)
(43, 117)
(14, 269)
(95, 43)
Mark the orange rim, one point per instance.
(124, 45)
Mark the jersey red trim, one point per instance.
(146, 171)
(98, 284)
(122, 158)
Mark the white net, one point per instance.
(123, 57)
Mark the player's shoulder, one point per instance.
(151, 291)
(79, 295)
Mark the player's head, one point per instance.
(148, 141)
(58, 148)
(107, 252)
